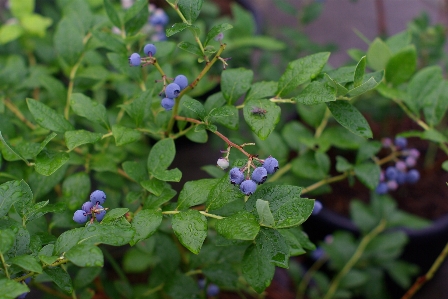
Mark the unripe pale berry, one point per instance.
(386, 142)
(167, 103)
(236, 176)
(87, 206)
(400, 165)
(150, 50)
(317, 207)
(271, 165)
(134, 59)
(182, 81)
(172, 90)
(414, 153)
(248, 187)
(99, 215)
(98, 197)
(219, 37)
(80, 216)
(223, 163)
(392, 185)
(259, 175)
(410, 161)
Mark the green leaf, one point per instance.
(399, 41)
(11, 288)
(402, 272)
(300, 71)
(114, 214)
(257, 268)
(9, 154)
(85, 276)
(68, 40)
(367, 150)
(363, 216)
(190, 48)
(85, 255)
(190, 228)
(350, 118)
(226, 115)
(76, 138)
(10, 32)
(378, 55)
(124, 135)
(261, 90)
(195, 106)
(154, 186)
(340, 90)
(286, 205)
(190, 9)
(47, 117)
(307, 166)
(136, 170)
(221, 194)
(136, 17)
(21, 8)
(263, 42)
(239, 226)
(84, 106)
(217, 29)
(10, 193)
(181, 286)
(195, 193)
(112, 13)
(342, 165)
(138, 109)
(60, 278)
(161, 155)
(315, 93)
(145, 224)
(178, 27)
(364, 87)
(7, 237)
(261, 124)
(368, 173)
(75, 189)
(264, 213)
(274, 244)
(35, 24)
(234, 83)
(401, 66)
(221, 274)
(436, 104)
(359, 72)
(172, 175)
(47, 162)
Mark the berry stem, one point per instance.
(181, 15)
(277, 100)
(5, 266)
(13, 108)
(323, 123)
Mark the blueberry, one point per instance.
(150, 50)
(99, 215)
(201, 283)
(400, 165)
(391, 173)
(410, 161)
(159, 17)
(248, 187)
(167, 103)
(182, 81)
(159, 36)
(80, 216)
(87, 206)
(22, 296)
(223, 163)
(317, 207)
(172, 90)
(318, 253)
(414, 153)
(400, 142)
(134, 60)
(412, 176)
(98, 197)
(386, 142)
(236, 176)
(259, 175)
(381, 188)
(271, 165)
(401, 178)
(212, 290)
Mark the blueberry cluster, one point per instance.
(259, 175)
(173, 90)
(401, 172)
(158, 20)
(212, 289)
(92, 209)
(135, 59)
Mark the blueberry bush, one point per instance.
(98, 98)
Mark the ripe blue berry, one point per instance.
(391, 173)
(201, 283)
(99, 215)
(381, 188)
(259, 175)
(412, 176)
(172, 90)
(80, 216)
(87, 206)
(401, 178)
(150, 50)
(400, 142)
(159, 17)
(248, 187)
(212, 290)
(134, 59)
(167, 103)
(271, 165)
(318, 253)
(236, 176)
(182, 81)
(98, 197)
(317, 207)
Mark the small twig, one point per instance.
(13, 108)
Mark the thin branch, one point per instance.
(13, 108)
